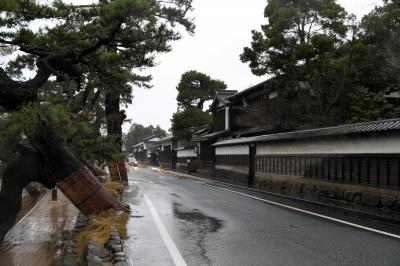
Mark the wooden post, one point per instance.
(118, 170)
(54, 194)
(252, 164)
(214, 160)
(174, 155)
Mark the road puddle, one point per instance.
(198, 228)
(175, 195)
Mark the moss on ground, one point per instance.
(97, 230)
(114, 187)
(120, 224)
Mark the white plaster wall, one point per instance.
(234, 150)
(338, 145)
(165, 145)
(186, 153)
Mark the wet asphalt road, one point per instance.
(210, 226)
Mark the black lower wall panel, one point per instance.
(231, 176)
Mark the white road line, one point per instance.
(304, 211)
(31, 210)
(131, 188)
(169, 243)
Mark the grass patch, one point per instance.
(114, 187)
(97, 230)
(99, 226)
(120, 224)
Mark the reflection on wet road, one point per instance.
(195, 229)
(210, 226)
(34, 240)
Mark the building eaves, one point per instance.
(202, 129)
(150, 137)
(222, 97)
(138, 145)
(163, 140)
(248, 90)
(209, 136)
(254, 131)
(187, 147)
(350, 129)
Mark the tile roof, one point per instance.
(209, 136)
(350, 129)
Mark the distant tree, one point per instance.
(183, 121)
(195, 88)
(379, 60)
(368, 106)
(138, 132)
(305, 41)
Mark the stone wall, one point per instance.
(383, 202)
(186, 165)
(182, 167)
(166, 165)
(232, 174)
(204, 168)
(205, 172)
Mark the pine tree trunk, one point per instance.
(118, 171)
(18, 174)
(74, 179)
(115, 118)
(50, 163)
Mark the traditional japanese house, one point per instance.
(220, 110)
(207, 135)
(166, 150)
(144, 150)
(261, 110)
(186, 156)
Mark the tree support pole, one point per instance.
(54, 194)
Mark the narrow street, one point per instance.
(178, 220)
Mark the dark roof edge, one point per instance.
(152, 136)
(248, 90)
(209, 136)
(347, 129)
(166, 139)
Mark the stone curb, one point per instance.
(71, 257)
(96, 255)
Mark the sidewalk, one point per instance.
(37, 239)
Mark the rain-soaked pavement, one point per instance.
(205, 225)
(37, 239)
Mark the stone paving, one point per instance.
(38, 239)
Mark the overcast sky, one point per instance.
(222, 30)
